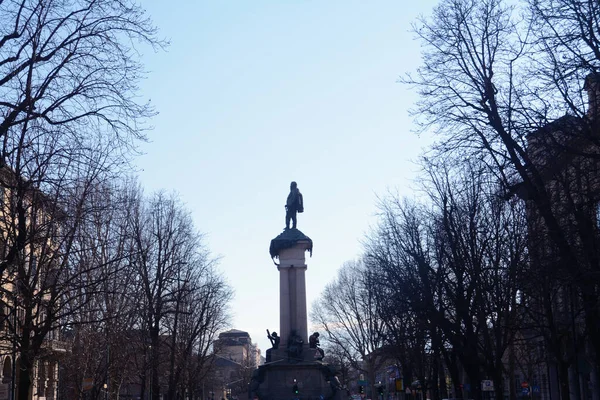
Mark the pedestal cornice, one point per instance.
(288, 239)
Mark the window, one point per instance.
(33, 265)
(3, 316)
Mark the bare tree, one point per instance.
(455, 265)
(49, 283)
(496, 86)
(347, 312)
(176, 277)
(70, 68)
(68, 119)
(336, 356)
(567, 50)
(199, 313)
(102, 316)
(151, 260)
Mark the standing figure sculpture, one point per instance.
(294, 205)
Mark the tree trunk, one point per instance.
(143, 386)
(512, 394)
(154, 383)
(25, 372)
(498, 380)
(443, 391)
(472, 371)
(563, 377)
(172, 389)
(592, 319)
(371, 391)
(435, 379)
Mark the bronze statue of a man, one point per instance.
(294, 205)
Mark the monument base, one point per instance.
(307, 355)
(293, 371)
(282, 380)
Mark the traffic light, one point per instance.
(380, 390)
(295, 388)
(399, 383)
(361, 390)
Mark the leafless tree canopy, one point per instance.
(513, 85)
(69, 117)
(87, 256)
(150, 293)
(347, 312)
(71, 67)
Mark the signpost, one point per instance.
(399, 385)
(87, 384)
(487, 385)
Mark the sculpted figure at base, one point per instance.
(293, 205)
(274, 339)
(274, 343)
(294, 347)
(313, 343)
(258, 377)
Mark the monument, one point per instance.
(294, 367)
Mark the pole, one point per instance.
(107, 371)
(13, 379)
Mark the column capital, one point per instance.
(287, 240)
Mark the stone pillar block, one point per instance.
(292, 292)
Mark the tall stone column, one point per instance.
(292, 290)
(290, 248)
(293, 369)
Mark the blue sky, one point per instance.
(254, 94)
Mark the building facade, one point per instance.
(28, 255)
(236, 358)
(553, 356)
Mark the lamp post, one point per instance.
(107, 372)
(13, 379)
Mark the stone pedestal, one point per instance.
(313, 381)
(282, 355)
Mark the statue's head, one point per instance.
(293, 185)
(274, 334)
(316, 334)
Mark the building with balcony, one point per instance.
(29, 258)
